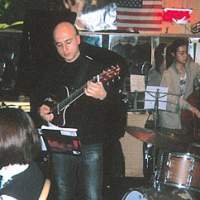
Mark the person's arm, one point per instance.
(187, 106)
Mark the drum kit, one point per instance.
(171, 156)
(176, 166)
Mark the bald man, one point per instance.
(87, 114)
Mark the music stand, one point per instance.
(56, 142)
(155, 100)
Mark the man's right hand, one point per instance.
(45, 113)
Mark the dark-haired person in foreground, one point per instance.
(21, 177)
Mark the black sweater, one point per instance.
(86, 114)
(26, 185)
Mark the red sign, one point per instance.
(177, 15)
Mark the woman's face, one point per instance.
(181, 55)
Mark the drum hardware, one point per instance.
(157, 173)
(147, 148)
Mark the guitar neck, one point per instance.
(103, 77)
(69, 100)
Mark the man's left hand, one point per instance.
(95, 90)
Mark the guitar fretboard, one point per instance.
(73, 97)
(103, 77)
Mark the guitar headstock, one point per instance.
(109, 74)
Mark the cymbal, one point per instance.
(167, 141)
(177, 142)
(143, 134)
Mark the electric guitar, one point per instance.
(59, 108)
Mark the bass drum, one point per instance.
(166, 193)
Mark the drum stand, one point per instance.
(157, 173)
(159, 152)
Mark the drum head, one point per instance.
(134, 195)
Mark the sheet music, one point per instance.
(150, 97)
(63, 131)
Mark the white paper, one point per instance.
(63, 131)
(150, 97)
(42, 143)
(137, 83)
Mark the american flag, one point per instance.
(139, 15)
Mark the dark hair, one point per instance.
(177, 43)
(18, 137)
(159, 55)
(173, 47)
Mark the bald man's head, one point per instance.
(67, 41)
(63, 26)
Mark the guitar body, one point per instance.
(60, 107)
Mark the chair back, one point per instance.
(45, 190)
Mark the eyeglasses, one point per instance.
(66, 42)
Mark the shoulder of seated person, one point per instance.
(5, 197)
